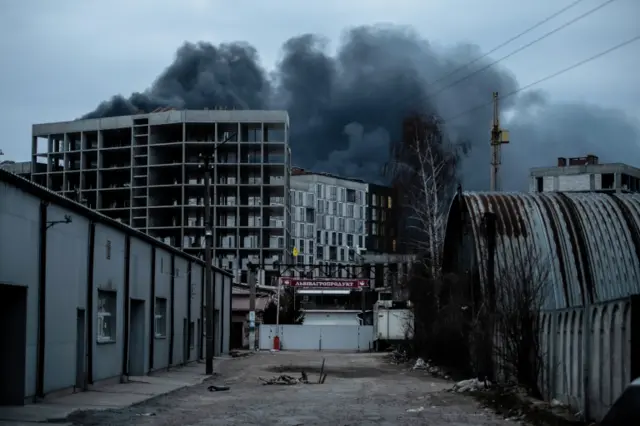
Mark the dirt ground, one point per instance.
(360, 389)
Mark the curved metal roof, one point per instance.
(591, 241)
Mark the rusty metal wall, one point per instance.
(590, 242)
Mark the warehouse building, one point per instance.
(85, 298)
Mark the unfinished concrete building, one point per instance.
(146, 171)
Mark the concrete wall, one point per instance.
(604, 354)
(70, 289)
(356, 338)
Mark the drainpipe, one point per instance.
(42, 302)
(172, 309)
(127, 309)
(90, 308)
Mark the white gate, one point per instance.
(318, 337)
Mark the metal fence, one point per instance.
(358, 338)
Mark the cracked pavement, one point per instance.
(360, 389)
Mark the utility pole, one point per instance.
(251, 277)
(208, 284)
(498, 137)
(208, 159)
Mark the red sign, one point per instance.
(323, 282)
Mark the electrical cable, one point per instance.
(512, 39)
(520, 49)
(549, 77)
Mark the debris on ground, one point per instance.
(515, 404)
(214, 388)
(415, 410)
(555, 403)
(434, 370)
(285, 380)
(471, 385)
(397, 356)
(237, 354)
(420, 364)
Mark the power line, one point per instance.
(514, 38)
(549, 77)
(520, 49)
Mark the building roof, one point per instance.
(600, 168)
(591, 241)
(160, 118)
(50, 196)
(298, 171)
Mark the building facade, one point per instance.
(146, 171)
(585, 174)
(90, 299)
(381, 220)
(343, 229)
(328, 222)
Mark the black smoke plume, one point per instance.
(346, 108)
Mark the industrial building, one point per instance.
(583, 248)
(146, 171)
(585, 174)
(85, 298)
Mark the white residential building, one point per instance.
(328, 222)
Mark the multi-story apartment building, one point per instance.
(585, 174)
(147, 171)
(328, 219)
(343, 228)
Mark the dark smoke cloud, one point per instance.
(346, 108)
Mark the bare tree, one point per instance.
(520, 293)
(423, 171)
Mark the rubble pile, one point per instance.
(285, 380)
(471, 385)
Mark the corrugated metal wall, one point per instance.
(591, 241)
(605, 354)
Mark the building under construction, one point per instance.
(146, 171)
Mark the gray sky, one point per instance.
(62, 58)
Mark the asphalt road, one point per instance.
(360, 389)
